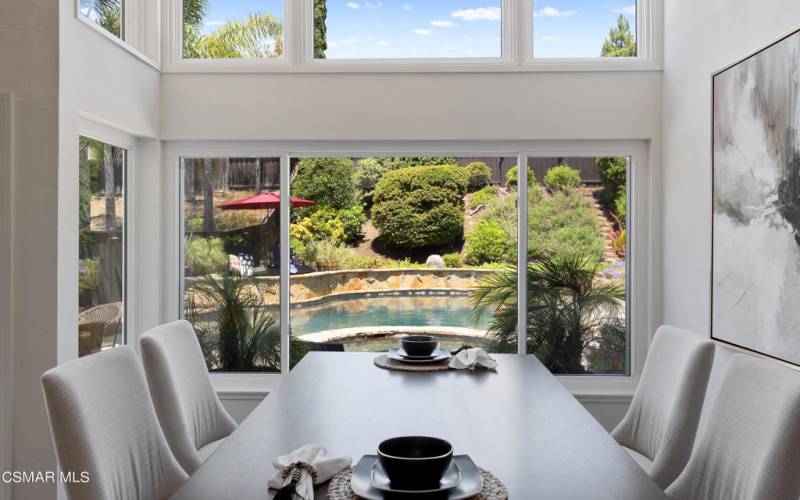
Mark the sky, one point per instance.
(445, 28)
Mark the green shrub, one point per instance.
(612, 172)
(353, 220)
(621, 206)
(393, 163)
(420, 206)
(484, 196)
(512, 174)
(563, 225)
(452, 260)
(562, 178)
(206, 255)
(323, 224)
(326, 181)
(486, 242)
(194, 224)
(479, 175)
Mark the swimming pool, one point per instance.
(428, 310)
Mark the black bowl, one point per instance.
(415, 462)
(419, 345)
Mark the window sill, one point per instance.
(410, 66)
(119, 42)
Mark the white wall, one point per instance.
(29, 69)
(700, 38)
(57, 69)
(418, 106)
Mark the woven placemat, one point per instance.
(383, 361)
(339, 487)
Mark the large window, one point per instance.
(380, 247)
(584, 29)
(101, 233)
(407, 29)
(388, 246)
(577, 244)
(231, 273)
(108, 14)
(225, 29)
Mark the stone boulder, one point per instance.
(435, 261)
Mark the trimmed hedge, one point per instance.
(420, 206)
(452, 260)
(562, 178)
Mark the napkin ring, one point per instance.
(300, 466)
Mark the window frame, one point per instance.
(516, 40)
(648, 30)
(642, 306)
(174, 62)
(136, 30)
(95, 131)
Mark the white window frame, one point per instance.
(116, 138)
(642, 307)
(516, 40)
(173, 61)
(648, 47)
(141, 30)
(7, 271)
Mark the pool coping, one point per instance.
(378, 331)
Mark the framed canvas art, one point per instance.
(755, 268)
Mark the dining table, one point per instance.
(518, 422)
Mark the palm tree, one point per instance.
(569, 313)
(258, 36)
(106, 13)
(234, 330)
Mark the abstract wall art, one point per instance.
(755, 290)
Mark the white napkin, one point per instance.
(316, 456)
(470, 359)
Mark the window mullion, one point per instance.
(522, 253)
(285, 255)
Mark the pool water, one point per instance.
(403, 310)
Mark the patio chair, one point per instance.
(98, 327)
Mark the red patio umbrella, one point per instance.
(262, 201)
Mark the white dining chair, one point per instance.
(747, 448)
(660, 426)
(104, 425)
(191, 414)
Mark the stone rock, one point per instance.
(435, 261)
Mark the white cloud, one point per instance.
(478, 14)
(553, 12)
(407, 6)
(551, 38)
(353, 40)
(443, 24)
(629, 10)
(373, 5)
(333, 44)
(421, 32)
(383, 43)
(353, 5)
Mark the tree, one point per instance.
(569, 313)
(258, 36)
(208, 198)
(326, 181)
(620, 41)
(320, 28)
(107, 13)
